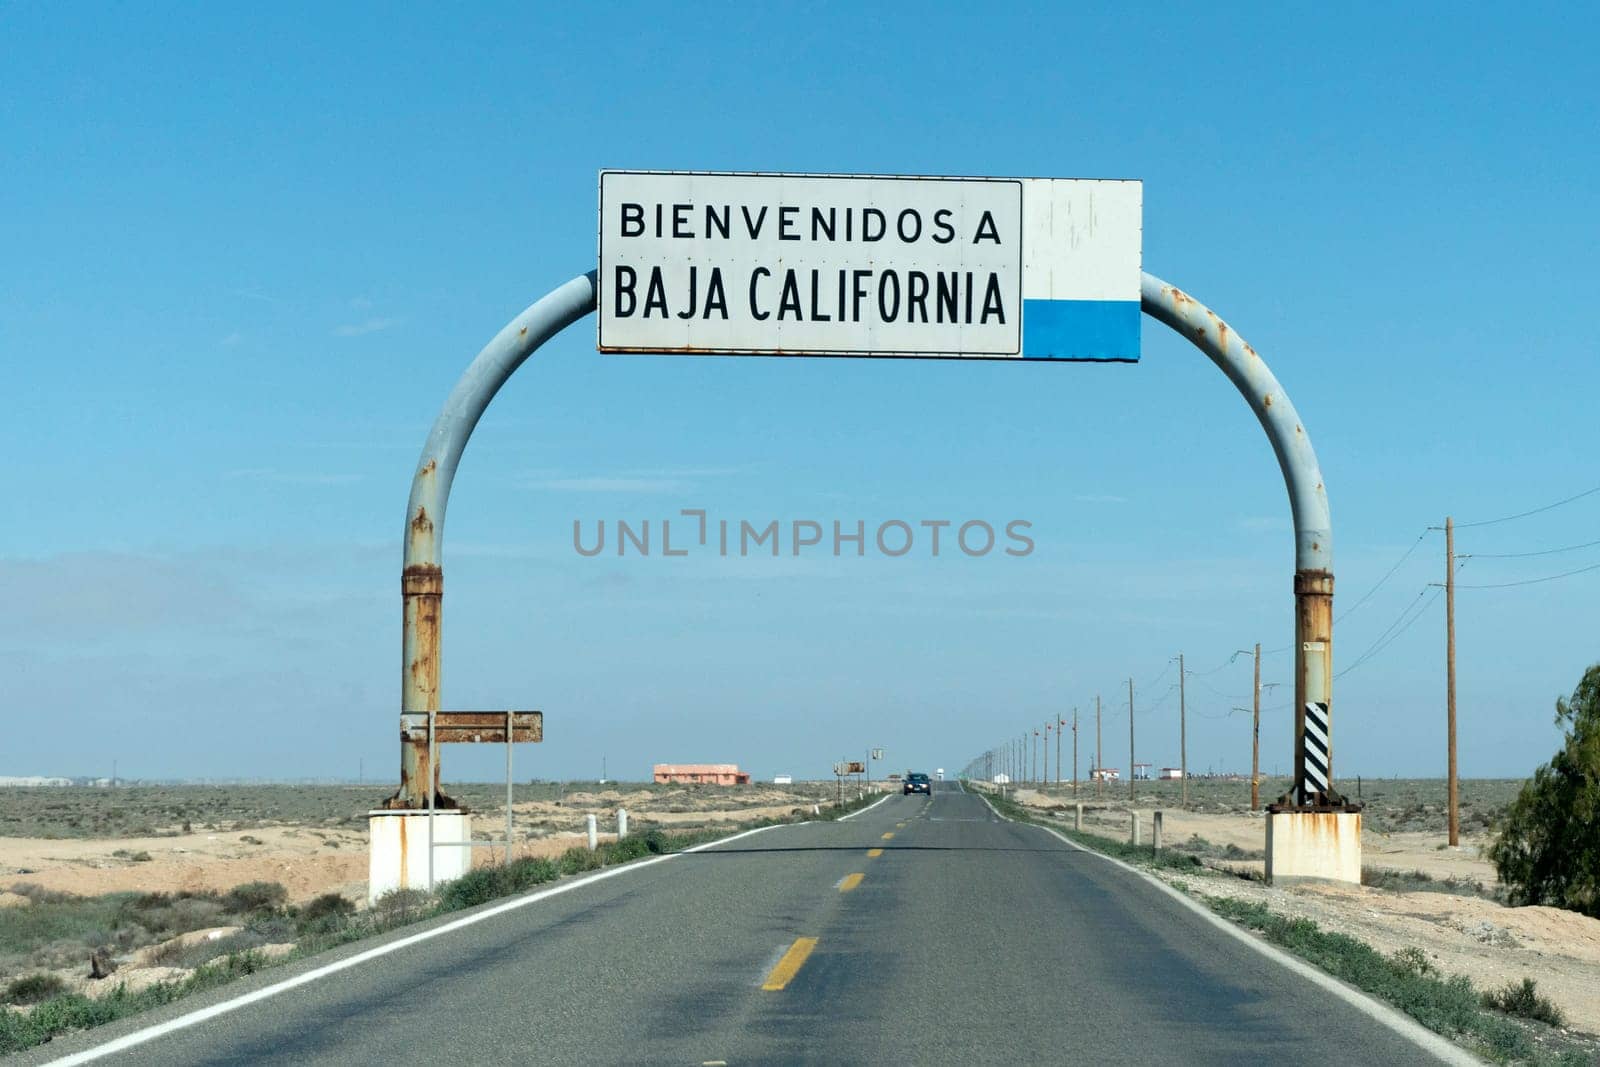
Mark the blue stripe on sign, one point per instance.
(1080, 329)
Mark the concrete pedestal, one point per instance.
(398, 849)
(1314, 846)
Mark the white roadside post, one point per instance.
(594, 833)
(622, 823)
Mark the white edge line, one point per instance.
(183, 1022)
(863, 811)
(1377, 1010)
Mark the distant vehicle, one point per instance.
(917, 782)
(783, 779)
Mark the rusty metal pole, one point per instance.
(1450, 671)
(1099, 756)
(1308, 501)
(422, 576)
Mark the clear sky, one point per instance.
(244, 256)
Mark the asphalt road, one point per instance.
(968, 939)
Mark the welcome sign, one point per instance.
(841, 265)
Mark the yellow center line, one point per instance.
(888, 835)
(785, 970)
(850, 881)
(874, 853)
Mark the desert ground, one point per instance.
(1445, 900)
(313, 839)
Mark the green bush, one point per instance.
(1548, 849)
(1523, 1000)
(255, 896)
(326, 912)
(578, 859)
(34, 988)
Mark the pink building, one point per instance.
(714, 773)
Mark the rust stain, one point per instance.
(522, 332)
(1222, 333)
(405, 866)
(1266, 401)
(421, 524)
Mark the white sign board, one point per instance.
(838, 265)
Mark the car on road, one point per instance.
(916, 782)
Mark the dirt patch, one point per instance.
(307, 863)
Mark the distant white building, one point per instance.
(1171, 772)
(1002, 779)
(31, 780)
(783, 779)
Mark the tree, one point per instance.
(1548, 848)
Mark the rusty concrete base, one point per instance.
(1323, 846)
(397, 844)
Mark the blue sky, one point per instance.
(247, 254)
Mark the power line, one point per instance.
(1525, 555)
(1151, 684)
(1534, 581)
(1225, 663)
(1420, 537)
(1525, 514)
(1400, 625)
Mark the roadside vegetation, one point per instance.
(257, 928)
(1548, 847)
(1423, 882)
(1514, 1024)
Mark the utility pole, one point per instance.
(1047, 728)
(1074, 753)
(1060, 722)
(1183, 735)
(1450, 668)
(1130, 738)
(1255, 738)
(1099, 760)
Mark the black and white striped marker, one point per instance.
(1315, 769)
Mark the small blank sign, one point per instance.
(456, 727)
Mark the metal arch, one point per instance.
(1253, 378)
(1313, 528)
(422, 580)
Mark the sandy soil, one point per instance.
(311, 861)
(305, 861)
(1488, 942)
